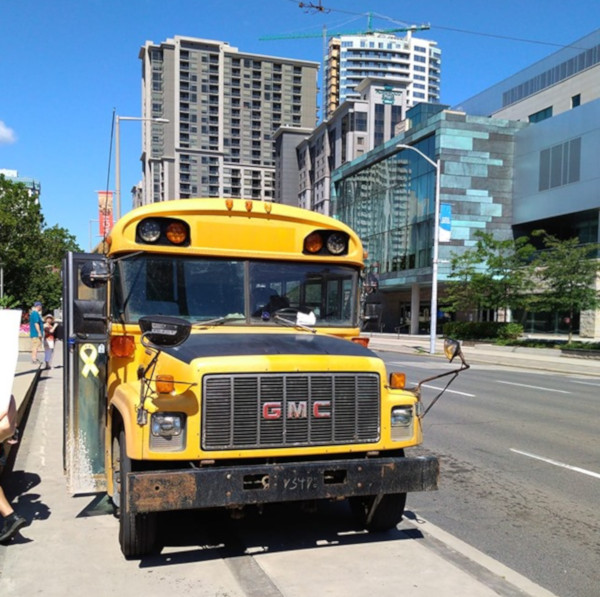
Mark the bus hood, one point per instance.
(229, 345)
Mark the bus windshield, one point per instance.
(221, 290)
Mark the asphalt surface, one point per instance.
(71, 542)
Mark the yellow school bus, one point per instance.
(213, 359)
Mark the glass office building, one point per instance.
(388, 197)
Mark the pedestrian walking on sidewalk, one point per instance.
(49, 339)
(36, 332)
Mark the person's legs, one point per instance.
(35, 344)
(12, 521)
(5, 507)
(48, 357)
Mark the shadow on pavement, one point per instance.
(212, 535)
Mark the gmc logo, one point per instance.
(321, 409)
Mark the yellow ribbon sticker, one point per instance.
(88, 354)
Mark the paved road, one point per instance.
(505, 438)
(71, 544)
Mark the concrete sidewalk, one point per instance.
(543, 359)
(71, 542)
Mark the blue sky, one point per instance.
(65, 64)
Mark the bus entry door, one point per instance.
(84, 358)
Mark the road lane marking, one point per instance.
(522, 385)
(587, 383)
(557, 463)
(411, 364)
(449, 391)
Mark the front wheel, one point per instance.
(137, 532)
(379, 512)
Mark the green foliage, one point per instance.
(9, 302)
(481, 330)
(30, 253)
(566, 271)
(509, 274)
(492, 275)
(510, 331)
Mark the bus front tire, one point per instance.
(137, 532)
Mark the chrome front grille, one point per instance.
(289, 410)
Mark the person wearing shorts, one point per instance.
(36, 330)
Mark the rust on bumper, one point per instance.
(154, 491)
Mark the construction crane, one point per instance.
(329, 34)
(326, 33)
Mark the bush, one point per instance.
(482, 330)
(510, 331)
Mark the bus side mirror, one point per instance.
(162, 331)
(452, 349)
(95, 273)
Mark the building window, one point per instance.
(576, 100)
(560, 165)
(541, 115)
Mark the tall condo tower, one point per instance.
(352, 58)
(223, 107)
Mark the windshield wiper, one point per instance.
(218, 321)
(295, 324)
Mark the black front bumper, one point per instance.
(154, 491)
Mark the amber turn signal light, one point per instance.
(176, 233)
(398, 381)
(165, 384)
(122, 346)
(313, 243)
(362, 341)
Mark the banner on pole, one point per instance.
(445, 222)
(105, 212)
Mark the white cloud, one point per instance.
(7, 135)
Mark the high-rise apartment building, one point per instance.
(34, 188)
(352, 58)
(223, 107)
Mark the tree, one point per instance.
(567, 272)
(30, 253)
(21, 222)
(493, 275)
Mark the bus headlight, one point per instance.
(167, 432)
(167, 424)
(401, 422)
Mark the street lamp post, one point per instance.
(436, 245)
(118, 155)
